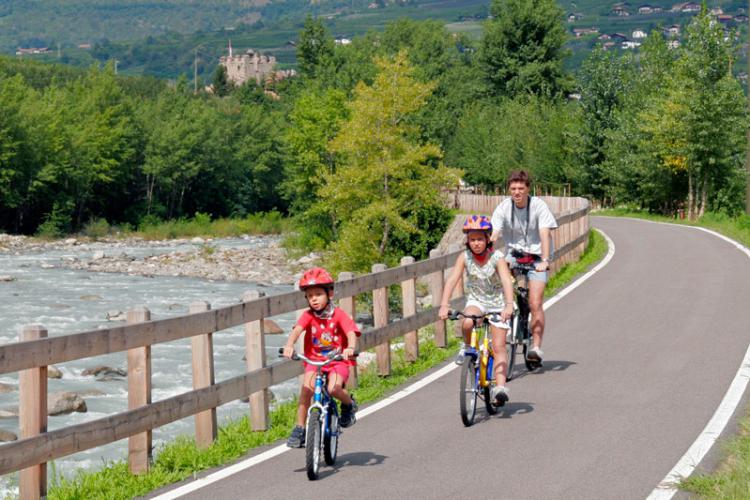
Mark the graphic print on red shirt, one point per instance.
(325, 335)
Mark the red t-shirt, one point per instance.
(325, 335)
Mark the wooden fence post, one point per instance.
(409, 300)
(348, 305)
(436, 290)
(32, 416)
(203, 376)
(380, 318)
(458, 291)
(255, 354)
(139, 394)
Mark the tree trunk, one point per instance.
(704, 196)
(691, 197)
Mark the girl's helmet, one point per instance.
(317, 276)
(478, 223)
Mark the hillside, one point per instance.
(166, 38)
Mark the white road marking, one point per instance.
(668, 486)
(278, 450)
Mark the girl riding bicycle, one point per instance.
(489, 289)
(327, 328)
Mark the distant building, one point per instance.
(248, 66)
(673, 30)
(742, 18)
(639, 34)
(342, 40)
(673, 44)
(620, 10)
(717, 11)
(686, 7)
(574, 16)
(84, 46)
(32, 50)
(579, 32)
(645, 9)
(630, 45)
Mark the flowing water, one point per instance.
(66, 301)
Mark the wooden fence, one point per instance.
(35, 352)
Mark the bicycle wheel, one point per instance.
(468, 391)
(331, 440)
(312, 444)
(510, 348)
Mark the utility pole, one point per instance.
(195, 72)
(116, 66)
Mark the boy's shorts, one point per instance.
(534, 275)
(340, 368)
(485, 310)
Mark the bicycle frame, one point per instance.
(481, 348)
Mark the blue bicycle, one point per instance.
(322, 426)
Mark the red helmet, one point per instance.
(317, 276)
(478, 223)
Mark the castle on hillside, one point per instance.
(248, 66)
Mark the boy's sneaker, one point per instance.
(297, 438)
(348, 414)
(499, 395)
(535, 354)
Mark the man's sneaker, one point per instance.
(348, 414)
(499, 395)
(297, 438)
(535, 354)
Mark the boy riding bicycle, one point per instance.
(327, 329)
(489, 289)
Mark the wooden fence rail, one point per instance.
(36, 351)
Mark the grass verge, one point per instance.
(181, 459)
(732, 478)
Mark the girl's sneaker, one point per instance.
(499, 395)
(535, 354)
(297, 438)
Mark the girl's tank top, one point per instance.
(482, 283)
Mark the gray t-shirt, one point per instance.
(523, 233)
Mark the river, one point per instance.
(67, 301)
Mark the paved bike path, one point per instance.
(638, 359)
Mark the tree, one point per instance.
(522, 48)
(315, 47)
(221, 84)
(385, 177)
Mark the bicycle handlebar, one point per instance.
(454, 315)
(333, 356)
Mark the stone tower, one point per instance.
(248, 66)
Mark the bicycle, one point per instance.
(520, 331)
(322, 425)
(477, 370)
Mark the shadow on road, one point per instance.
(549, 366)
(360, 458)
(513, 408)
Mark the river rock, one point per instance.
(103, 371)
(116, 316)
(197, 240)
(91, 393)
(7, 278)
(59, 403)
(47, 266)
(71, 241)
(7, 436)
(270, 327)
(9, 412)
(53, 372)
(90, 297)
(6, 388)
(97, 255)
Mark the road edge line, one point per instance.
(278, 450)
(687, 464)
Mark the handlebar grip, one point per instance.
(453, 314)
(294, 354)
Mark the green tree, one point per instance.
(385, 177)
(315, 47)
(522, 48)
(221, 84)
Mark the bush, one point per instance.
(56, 224)
(97, 228)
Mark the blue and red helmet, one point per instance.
(478, 223)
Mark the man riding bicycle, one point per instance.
(526, 223)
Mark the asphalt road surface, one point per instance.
(637, 360)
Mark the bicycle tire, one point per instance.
(331, 440)
(510, 348)
(312, 444)
(488, 403)
(468, 391)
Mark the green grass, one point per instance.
(181, 459)
(732, 478)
